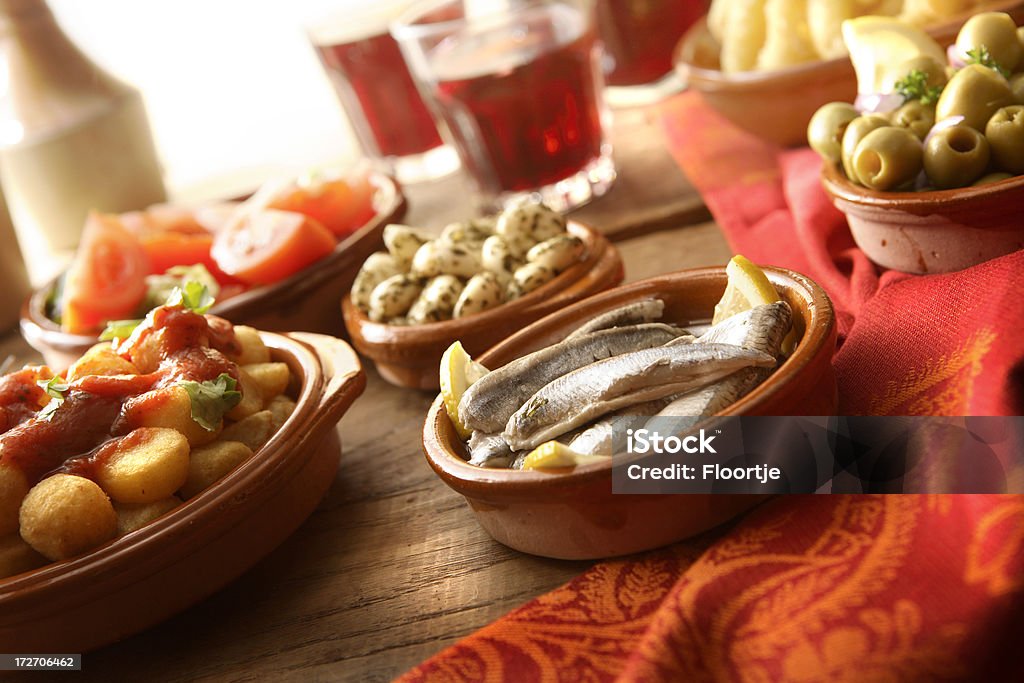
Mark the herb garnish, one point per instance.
(55, 388)
(914, 86)
(194, 296)
(982, 56)
(211, 399)
(119, 329)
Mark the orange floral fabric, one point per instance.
(812, 588)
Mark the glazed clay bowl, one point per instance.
(409, 356)
(575, 515)
(776, 106)
(144, 577)
(931, 232)
(304, 301)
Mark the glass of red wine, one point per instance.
(640, 37)
(516, 85)
(383, 104)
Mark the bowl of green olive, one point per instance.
(930, 174)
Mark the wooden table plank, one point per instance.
(390, 569)
(650, 193)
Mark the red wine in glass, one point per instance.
(640, 36)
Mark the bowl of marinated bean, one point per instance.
(478, 281)
(929, 174)
(158, 468)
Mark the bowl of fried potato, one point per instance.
(767, 66)
(156, 470)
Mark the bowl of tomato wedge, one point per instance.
(279, 260)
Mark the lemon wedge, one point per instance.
(458, 373)
(551, 454)
(877, 43)
(748, 287)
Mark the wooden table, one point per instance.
(393, 566)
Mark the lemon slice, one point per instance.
(458, 373)
(879, 43)
(748, 286)
(551, 454)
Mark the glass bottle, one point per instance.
(72, 137)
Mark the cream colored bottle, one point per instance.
(72, 137)
(13, 277)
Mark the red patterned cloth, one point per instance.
(812, 588)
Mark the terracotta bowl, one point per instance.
(931, 232)
(304, 301)
(409, 356)
(140, 579)
(776, 106)
(575, 515)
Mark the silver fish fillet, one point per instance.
(607, 385)
(489, 450)
(645, 311)
(488, 403)
(597, 438)
(762, 328)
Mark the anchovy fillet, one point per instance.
(489, 450)
(645, 311)
(488, 403)
(597, 438)
(762, 328)
(622, 380)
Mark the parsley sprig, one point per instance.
(119, 329)
(55, 388)
(914, 86)
(981, 55)
(211, 399)
(194, 296)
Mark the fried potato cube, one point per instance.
(101, 359)
(16, 556)
(64, 516)
(132, 517)
(13, 489)
(253, 348)
(148, 465)
(281, 408)
(253, 431)
(252, 397)
(168, 407)
(210, 463)
(272, 378)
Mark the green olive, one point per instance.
(935, 72)
(1017, 87)
(855, 132)
(995, 31)
(825, 131)
(1005, 133)
(887, 158)
(955, 157)
(991, 178)
(916, 117)
(975, 93)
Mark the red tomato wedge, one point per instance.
(176, 236)
(267, 246)
(106, 281)
(342, 205)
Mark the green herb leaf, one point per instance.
(55, 388)
(914, 86)
(119, 329)
(982, 56)
(210, 400)
(194, 296)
